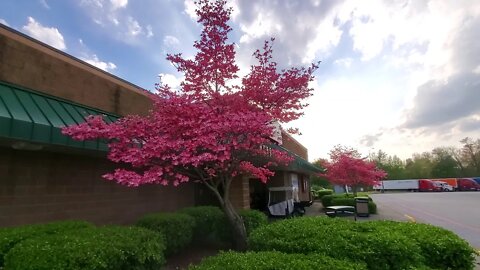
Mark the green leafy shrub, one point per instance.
(320, 193)
(372, 207)
(380, 244)
(102, 248)
(253, 219)
(11, 236)
(176, 227)
(273, 260)
(327, 200)
(442, 248)
(339, 239)
(210, 222)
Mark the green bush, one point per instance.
(112, 247)
(327, 200)
(320, 193)
(253, 219)
(176, 227)
(339, 239)
(372, 207)
(210, 222)
(442, 248)
(11, 236)
(379, 244)
(273, 260)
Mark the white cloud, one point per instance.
(190, 9)
(149, 31)
(133, 27)
(44, 4)
(119, 3)
(170, 80)
(170, 41)
(2, 21)
(94, 61)
(344, 62)
(49, 35)
(116, 19)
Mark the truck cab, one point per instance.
(443, 186)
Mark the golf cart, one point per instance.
(284, 202)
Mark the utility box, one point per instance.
(361, 206)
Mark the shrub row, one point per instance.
(346, 199)
(318, 194)
(202, 223)
(379, 244)
(274, 260)
(177, 229)
(9, 237)
(111, 247)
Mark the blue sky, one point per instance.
(401, 76)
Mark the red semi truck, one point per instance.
(410, 185)
(467, 184)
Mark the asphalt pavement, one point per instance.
(455, 211)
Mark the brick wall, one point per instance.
(45, 186)
(240, 193)
(27, 63)
(293, 145)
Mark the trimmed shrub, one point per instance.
(92, 248)
(210, 222)
(380, 244)
(442, 248)
(327, 200)
(339, 239)
(253, 219)
(372, 207)
(176, 227)
(11, 236)
(320, 193)
(273, 260)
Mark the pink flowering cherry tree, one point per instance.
(346, 167)
(212, 129)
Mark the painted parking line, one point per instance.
(412, 219)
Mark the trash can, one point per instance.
(361, 206)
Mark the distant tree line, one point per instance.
(441, 162)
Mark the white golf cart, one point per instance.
(284, 202)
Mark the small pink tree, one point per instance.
(348, 168)
(211, 129)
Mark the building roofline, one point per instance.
(37, 44)
(293, 139)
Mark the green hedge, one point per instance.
(273, 260)
(379, 244)
(442, 248)
(176, 227)
(253, 219)
(372, 207)
(320, 193)
(91, 248)
(11, 236)
(209, 221)
(212, 224)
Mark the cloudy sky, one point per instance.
(401, 76)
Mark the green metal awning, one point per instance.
(31, 116)
(298, 164)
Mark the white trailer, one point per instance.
(409, 184)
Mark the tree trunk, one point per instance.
(237, 225)
(354, 189)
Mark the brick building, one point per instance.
(46, 176)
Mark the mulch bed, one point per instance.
(192, 255)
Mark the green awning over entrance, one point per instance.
(298, 164)
(31, 116)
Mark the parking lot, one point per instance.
(455, 211)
